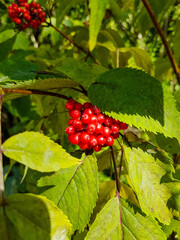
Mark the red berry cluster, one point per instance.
(89, 128)
(27, 15)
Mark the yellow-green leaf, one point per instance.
(38, 152)
(31, 217)
(145, 173)
(98, 8)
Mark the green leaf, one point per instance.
(173, 227)
(142, 59)
(74, 190)
(159, 6)
(12, 71)
(107, 190)
(129, 91)
(98, 9)
(38, 152)
(136, 226)
(136, 93)
(146, 174)
(62, 9)
(32, 217)
(107, 223)
(81, 72)
(44, 81)
(5, 48)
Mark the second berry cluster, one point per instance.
(89, 128)
(26, 15)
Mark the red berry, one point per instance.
(123, 126)
(99, 128)
(84, 137)
(77, 124)
(43, 20)
(106, 131)
(87, 105)
(70, 122)
(97, 148)
(115, 128)
(24, 10)
(108, 121)
(40, 10)
(26, 5)
(100, 118)
(25, 25)
(70, 130)
(75, 114)
(27, 17)
(33, 4)
(109, 141)
(34, 11)
(115, 135)
(69, 106)
(18, 21)
(78, 106)
(19, 10)
(72, 101)
(91, 128)
(85, 118)
(43, 14)
(83, 146)
(14, 5)
(93, 141)
(15, 8)
(38, 6)
(95, 110)
(93, 119)
(116, 121)
(74, 139)
(101, 140)
(10, 11)
(88, 111)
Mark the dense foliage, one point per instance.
(114, 172)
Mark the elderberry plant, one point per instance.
(90, 116)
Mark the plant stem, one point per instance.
(117, 188)
(29, 92)
(73, 43)
(2, 200)
(163, 38)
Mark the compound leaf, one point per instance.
(74, 190)
(32, 217)
(38, 152)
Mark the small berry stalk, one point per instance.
(89, 128)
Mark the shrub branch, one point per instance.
(163, 38)
(2, 200)
(117, 188)
(88, 54)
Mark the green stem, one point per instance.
(30, 92)
(72, 42)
